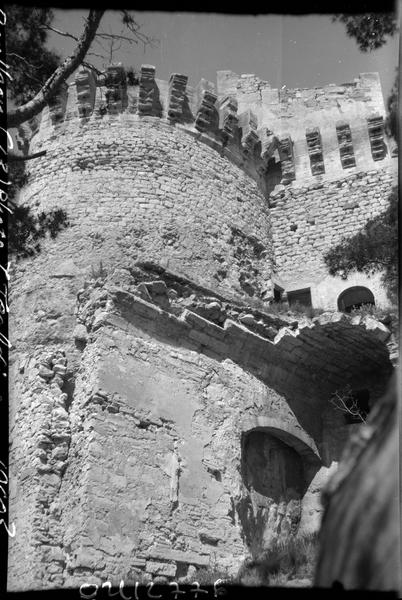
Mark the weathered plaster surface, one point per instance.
(147, 393)
(140, 466)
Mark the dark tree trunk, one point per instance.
(360, 534)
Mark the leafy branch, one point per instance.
(370, 30)
(373, 249)
(26, 230)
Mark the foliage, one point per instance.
(307, 311)
(371, 310)
(370, 30)
(392, 120)
(374, 248)
(25, 230)
(293, 558)
(283, 308)
(296, 308)
(98, 272)
(30, 62)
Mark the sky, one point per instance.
(296, 51)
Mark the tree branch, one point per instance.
(344, 401)
(17, 158)
(21, 58)
(63, 33)
(95, 54)
(69, 65)
(117, 36)
(90, 66)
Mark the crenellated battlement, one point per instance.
(276, 136)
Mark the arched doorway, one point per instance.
(354, 297)
(277, 468)
(272, 468)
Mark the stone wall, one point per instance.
(325, 124)
(325, 147)
(307, 222)
(134, 461)
(147, 190)
(142, 377)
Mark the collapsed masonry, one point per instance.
(192, 432)
(161, 417)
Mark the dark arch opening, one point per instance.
(276, 470)
(273, 468)
(355, 297)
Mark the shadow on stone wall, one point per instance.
(275, 478)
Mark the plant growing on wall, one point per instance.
(374, 248)
(347, 402)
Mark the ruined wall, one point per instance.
(139, 461)
(143, 384)
(134, 188)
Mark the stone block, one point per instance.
(161, 568)
(177, 97)
(80, 333)
(88, 558)
(156, 287)
(249, 136)
(269, 143)
(67, 269)
(346, 152)
(85, 82)
(148, 98)
(45, 373)
(228, 120)
(207, 537)
(380, 331)
(56, 554)
(207, 118)
(248, 319)
(314, 148)
(116, 92)
(375, 125)
(287, 159)
(163, 552)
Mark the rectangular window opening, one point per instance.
(302, 297)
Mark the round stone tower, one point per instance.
(160, 418)
(144, 176)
